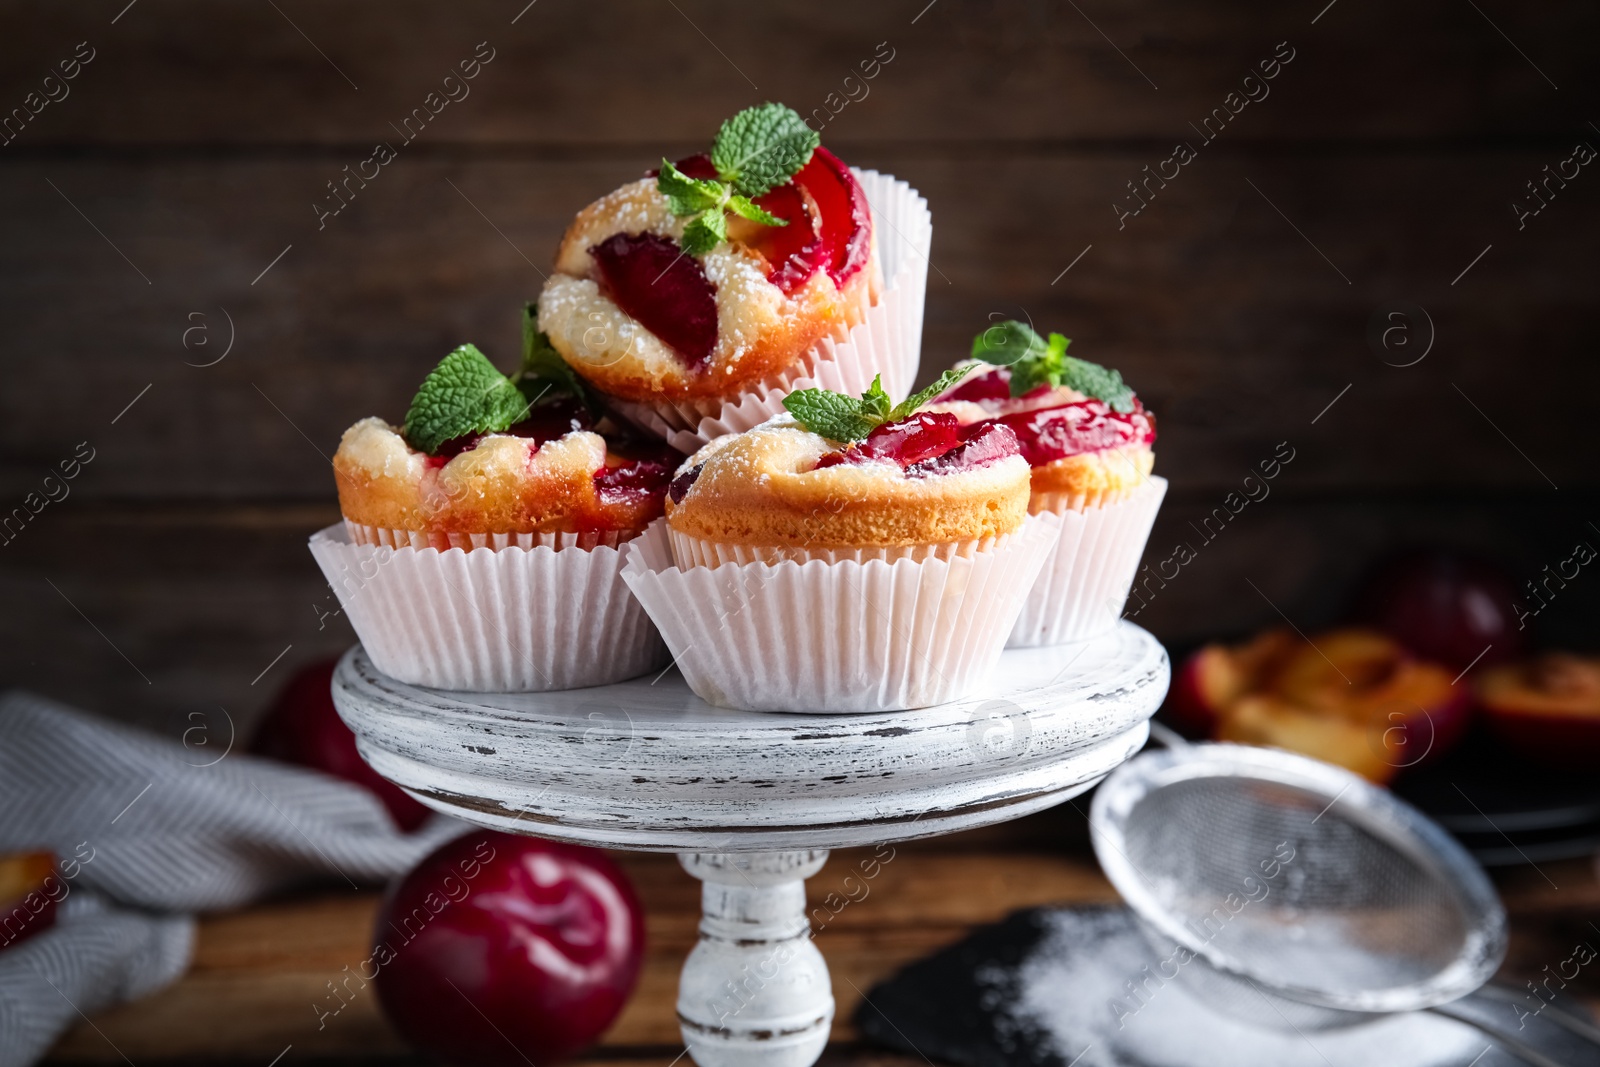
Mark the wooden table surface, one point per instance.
(257, 973)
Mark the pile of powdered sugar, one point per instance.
(1091, 989)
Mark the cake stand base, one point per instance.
(755, 990)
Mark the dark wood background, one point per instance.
(192, 147)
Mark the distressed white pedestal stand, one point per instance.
(751, 802)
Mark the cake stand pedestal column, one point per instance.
(754, 991)
(751, 802)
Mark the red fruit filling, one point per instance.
(993, 384)
(1072, 429)
(908, 441)
(682, 483)
(548, 420)
(846, 216)
(830, 222)
(794, 252)
(986, 443)
(930, 443)
(989, 385)
(636, 480)
(665, 291)
(644, 472)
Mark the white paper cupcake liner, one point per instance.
(1083, 585)
(887, 341)
(837, 637)
(508, 620)
(690, 551)
(375, 535)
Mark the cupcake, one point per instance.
(697, 297)
(851, 555)
(1090, 445)
(480, 544)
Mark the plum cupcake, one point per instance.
(480, 543)
(851, 555)
(699, 296)
(1090, 445)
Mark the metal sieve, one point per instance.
(1295, 894)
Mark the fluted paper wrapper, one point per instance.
(690, 551)
(1083, 585)
(377, 535)
(506, 620)
(887, 341)
(844, 636)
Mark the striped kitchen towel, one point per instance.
(149, 831)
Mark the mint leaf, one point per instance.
(464, 394)
(746, 208)
(1102, 383)
(910, 404)
(543, 369)
(848, 419)
(1008, 343)
(757, 149)
(704, 232)
(1040, 368)
(762, 147)
(686, 195)
(875, 403)
(833, 415)
(1035, 361)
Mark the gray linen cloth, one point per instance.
(148, 831)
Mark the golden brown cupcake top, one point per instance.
(499, 483)
(783, 485)
(483, 453)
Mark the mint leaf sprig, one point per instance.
(1035, 361)
(466, 394)
(848, 419)
(543, 370)
(758, 149)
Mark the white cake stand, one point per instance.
(751, 801)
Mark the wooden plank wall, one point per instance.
(164, 197)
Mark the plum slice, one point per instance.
(663, 290)
(830, 221)
(908, 441)
(643, 471)
(548, 420)
(932, 442)
(986, 443)
(1050, 434)
(846, 216)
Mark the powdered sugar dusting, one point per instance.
(1091, 989)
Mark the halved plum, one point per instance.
(1352, 697)
(27, 899)
(1546, 708)
(665, 291)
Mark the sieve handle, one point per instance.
(1572, 1024)
(1166, 736)
(1514, 1045)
